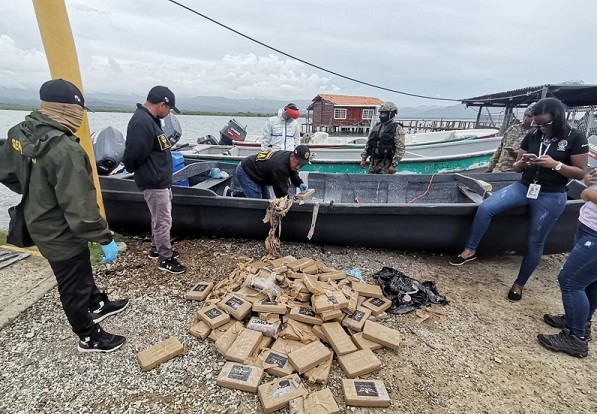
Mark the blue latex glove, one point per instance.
(110, 252)
(303, 187)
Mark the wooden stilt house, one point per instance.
(341, 114)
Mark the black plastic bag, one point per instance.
(407, 294)
(18, 234)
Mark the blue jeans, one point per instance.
(578, 281)
(250, 188)
(544, 211)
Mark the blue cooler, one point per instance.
(177, 165)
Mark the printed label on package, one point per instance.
(234, 302)
(376, 302)
(213, 313)
(366, 389)
(306, 311)
(278, 360)
(240, 373)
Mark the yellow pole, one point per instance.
(57, 37)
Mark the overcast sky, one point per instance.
(441, 48)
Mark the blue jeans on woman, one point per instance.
(578, 281)
(544, 211)
(250, 188)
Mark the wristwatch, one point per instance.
(558, 166)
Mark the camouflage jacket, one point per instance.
(502, 161)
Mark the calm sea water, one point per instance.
(193, 127)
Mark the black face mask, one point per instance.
(384, 117)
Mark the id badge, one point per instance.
(533, 191)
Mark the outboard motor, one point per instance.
(108, 149)
(172, 128)
(207, 140)
(233, 131)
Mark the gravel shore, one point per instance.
(483, 359)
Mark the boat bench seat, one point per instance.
(191, 170)
(209, 183)
(470, 194)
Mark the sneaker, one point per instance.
(107, 308)
(559, 321)
(153, 253)
(459, 260)
(171, 265)
(100, 341)
(566, 342)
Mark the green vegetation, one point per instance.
(96, 250)
(17, 107)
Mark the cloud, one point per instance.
(21, 68)
(454, 49)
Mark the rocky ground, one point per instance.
(484, 358)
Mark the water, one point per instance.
(193, 127)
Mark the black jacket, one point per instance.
(147, 151)
(272, 168)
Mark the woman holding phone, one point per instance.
(553, 154)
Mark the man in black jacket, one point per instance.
(147, 154)
(272, 168)
(43, 160)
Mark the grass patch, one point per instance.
(94, 248)
(96, 251)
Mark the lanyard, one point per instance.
(541, 152)
(541, 148)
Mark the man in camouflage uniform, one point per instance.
(504, 156)
(385, 145)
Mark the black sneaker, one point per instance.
(153, 253)
(566, 342)
(459, 260)
(171, 265)
(100, 341)
(559, 321)
(107, 308)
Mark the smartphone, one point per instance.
(529, 156)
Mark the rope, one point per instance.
(277, 209)
(313, 221)
(425, 192)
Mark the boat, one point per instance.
(319, 140)
(418, 159)
(413, 211)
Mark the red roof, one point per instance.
(345, 100)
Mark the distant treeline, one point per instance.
(17, 107)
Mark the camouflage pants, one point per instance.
(378, 166)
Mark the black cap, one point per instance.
(61, 91)
(159, 94)
(303, 154)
